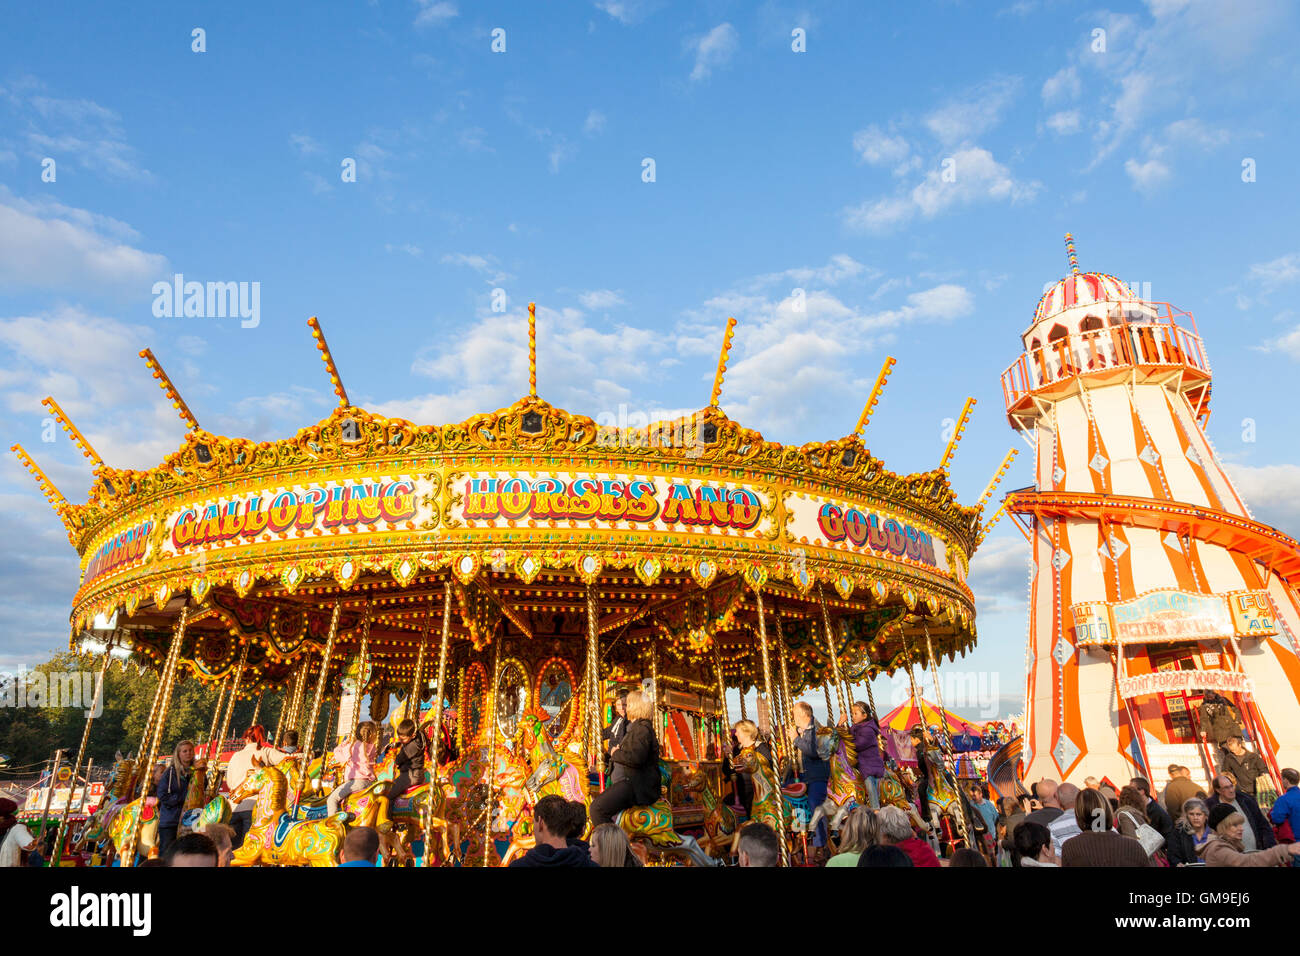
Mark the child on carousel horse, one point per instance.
(356, 755)
(409, 764)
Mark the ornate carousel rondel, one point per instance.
(534, 551)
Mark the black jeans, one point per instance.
(402, 783)
(241, 821)
(166, 837)
(617, 796)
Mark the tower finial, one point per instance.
(1069, 248)
(532, 349)
(722, 361)
(874, 397)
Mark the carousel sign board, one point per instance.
(1161, 617)
(465, 504)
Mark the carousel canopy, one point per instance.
(688, 539)
(906, 716)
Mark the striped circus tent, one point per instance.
(905, 716)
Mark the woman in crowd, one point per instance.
(610, 847)
(1011, 816)
(857, 833)
(356, 755)
(635, 780)
(172, 785)
(1190, 833)
(1032, 846)
(1098, 844)
(1132, 811)
(1224, 847)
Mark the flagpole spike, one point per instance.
(722, 362)
(327, 357)
(874, 396)
(532, 349)
(169, 389)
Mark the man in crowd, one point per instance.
(193, 849)
(1051, 807)
(1246, 765)
(759, 845)
(553, 822)
(360, 847)
(1179, 790)
(1066, 825)
(1257, 834)
(1287, 808)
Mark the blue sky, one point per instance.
(522, 170)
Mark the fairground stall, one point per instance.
(518, 568)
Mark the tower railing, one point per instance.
(1126, 343)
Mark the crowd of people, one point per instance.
(1054, 825)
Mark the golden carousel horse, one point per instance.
(275, 837)
(720, 823)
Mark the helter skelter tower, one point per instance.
(1151, 583)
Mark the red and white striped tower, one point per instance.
(1151, 582)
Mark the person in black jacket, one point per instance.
(1157, 816)
(635, 781)
(553, 821)
(409, 764)
(613, 734)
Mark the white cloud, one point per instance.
(487, 266)
(595, 123)
(1276, 272)
(414, 251)
(304, 144)
(601, 299)
(47, 245)
(319, 184)
(1272, 492)
(712, 50)
(1064, 123)
(873, 145)
(78, 132)
(626, 12)
(973, 176)
(839, 268)
(1195, 132)
(1063, 84)
(974, 114)
(434, 12)
(999, 572)
(1147, 176)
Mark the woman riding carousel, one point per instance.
(635, 779)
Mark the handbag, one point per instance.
(1147, 835)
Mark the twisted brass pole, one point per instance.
(81, 753)
(442, 676)
(361, 668)
(162, 703)
(830, 646)
(316, 701)
(492, 749)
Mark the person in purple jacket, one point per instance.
(871, 764)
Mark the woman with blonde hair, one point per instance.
(356, 754)
(857, 833)
(747, 735)
(610, 847)
(172, 786)
(635, 781)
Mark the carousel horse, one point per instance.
(553, 772)
(720, 821)
(844, 790)
(770, 805)
(117, 788)
(275, 837)
(654, 826)
(466, 793)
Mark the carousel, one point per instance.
(503, 578)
